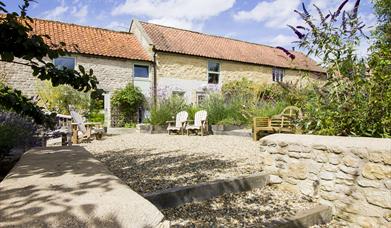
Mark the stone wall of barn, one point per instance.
(189, 74)
(195, 68)
(111, 73)
(353, 175)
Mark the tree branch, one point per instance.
(20, 63)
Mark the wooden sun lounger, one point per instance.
(87, 129)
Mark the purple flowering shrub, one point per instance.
(15, 131)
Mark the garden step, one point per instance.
(178, 196)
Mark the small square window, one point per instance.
(141, 71)
(64, 63)
(200, 97)
(178, 93)
(213, 72)
(278, 74)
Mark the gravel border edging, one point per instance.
(174, 197)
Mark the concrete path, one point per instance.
(67, 187)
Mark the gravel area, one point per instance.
(149, 163)
(259, 208)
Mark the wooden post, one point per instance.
(74, 134)
(63, 139)
(255, 129)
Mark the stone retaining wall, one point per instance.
(353, 175)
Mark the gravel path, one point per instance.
(153, 162)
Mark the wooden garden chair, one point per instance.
(282, 123)
(180, 123)
(83, 130)
(200, 124)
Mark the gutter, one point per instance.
(154, 80)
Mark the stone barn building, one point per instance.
(162, 60)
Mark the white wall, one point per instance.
(167, 85)
(145, 86)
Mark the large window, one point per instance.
(65, 62)
(213, 72)
(278, 74)
(141, 71)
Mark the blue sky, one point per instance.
(259, 21)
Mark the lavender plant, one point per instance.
(15, 131)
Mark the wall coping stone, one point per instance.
(67, 187)
(372, 144)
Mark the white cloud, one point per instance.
(188, 14)
(177, 22)
(57, 12)
(370, 22)
(282, 40)
(277, 13)
(118, 26)
(362, 49)
(80, 12)
(330, 5)
(77, 13)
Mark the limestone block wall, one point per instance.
(19, 77)
(353, 175)
(112, 73)
(179, 66)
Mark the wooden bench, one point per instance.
(282, 123)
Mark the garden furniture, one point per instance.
(282, 123)
(84, 130)
(62, 129)
(180, 123)
(200, 123)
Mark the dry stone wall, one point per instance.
(352, 175)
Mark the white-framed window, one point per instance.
(140, 71)
(200, 97)
(65, 62)
(278, 74)
(178, 93)
(213, 72)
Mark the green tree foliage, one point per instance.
(58, 99)
(345, 105)
(380, 64)
(16, 131)
(20, 46)
(128, 100)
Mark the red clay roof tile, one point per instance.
(91, 40)
(187, 42)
